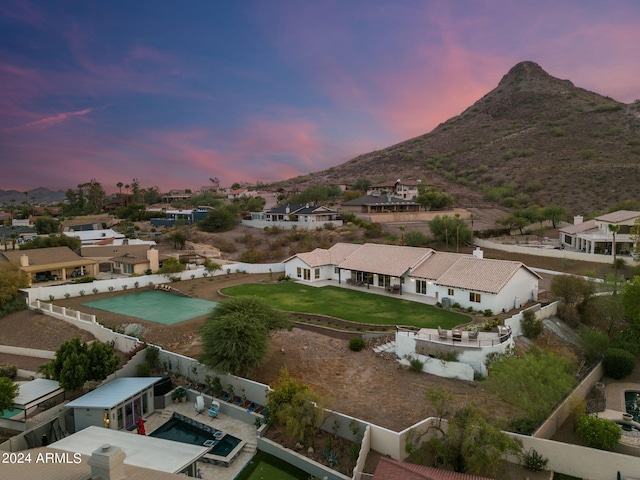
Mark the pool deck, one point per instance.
(614, 394)
(221, 422)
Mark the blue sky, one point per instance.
(173, 93)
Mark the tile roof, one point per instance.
(579, 228)
(391, 260)
(389, 469)
(53, 257)
(436, 265)
(481, 275)
(619, 216)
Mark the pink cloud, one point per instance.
(51, 121)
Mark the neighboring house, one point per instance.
(369, 204)
(388, 469)
(91, 237)
(594, 236)
(138, 264)
(105, 253)
(176, 196)
(407, 190)
(240, 193)
(18, 233)
(48, 264)
(184, 216)
(306, 217)
(469, 280)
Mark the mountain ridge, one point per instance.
(533, 139)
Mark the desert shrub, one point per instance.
(415, 364)
(524, 425)
(252, 256)
(618, 363)
(533, 461)
(594, 343)
(356, 344)
(599, 432)
(487, 312)
(531, 326)
(416, 239)
(144, 370)
(10, 371)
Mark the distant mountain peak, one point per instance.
(529, 75)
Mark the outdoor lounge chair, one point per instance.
(199, 404)
(456, 334)
(214, 409)
(443, 334)
(473, 334)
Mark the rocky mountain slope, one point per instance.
(533, 139)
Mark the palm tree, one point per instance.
(615, 229)
(402, 236)
(457, 216)
(119, 185)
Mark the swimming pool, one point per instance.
(632, 404)
(224, 447)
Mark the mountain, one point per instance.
(533, 139)
(36, 196)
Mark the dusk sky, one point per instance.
(175, 92)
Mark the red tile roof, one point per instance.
(389, 469)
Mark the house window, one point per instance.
(336, 271)
(307, 274)
(474, 297)
(451, 292)
(421, 286)
(299, 272)
(127, 268)
(316, 274)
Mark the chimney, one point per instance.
(107, 463)
(154, 262)
(578, 219)
(477, 253)
(24, 260)
(287, 210)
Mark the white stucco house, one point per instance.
(448, 278)
(594, 236)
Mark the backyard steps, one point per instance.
(250, 448)
(389, 347)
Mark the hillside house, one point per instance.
(407, 190)
(448, 278)
(384, 203)
(594, 236)
(307, 217)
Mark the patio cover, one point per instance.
(36, 391)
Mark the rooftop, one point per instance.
(113, 393)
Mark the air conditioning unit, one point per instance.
(446, 302)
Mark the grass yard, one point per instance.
(349, 305)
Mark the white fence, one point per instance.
(291, 225)
(57, 292)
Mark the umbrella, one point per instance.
(141, 427)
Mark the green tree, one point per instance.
(599, 432)
(52, 240)
(416, 239)
(178, 236)
(594, 343)
(297, 407)
(472, 444)
(8, 391)
(445, 228)
(46, 225)
(554, 213)
(71, 365)
(12, 279)
(432, 198)
(103, 360)
(361, 184)
(235, 335)
(531, 327)
(75, 363)
(534, 382)
(513, 220)
(219, 220)
(170, 266)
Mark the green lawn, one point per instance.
(352, 305)
(267, 467)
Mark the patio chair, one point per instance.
(473, 334)
(443, 334)
(199, 404)
(456, 334)
(214, 409)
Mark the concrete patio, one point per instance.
(221, 422)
